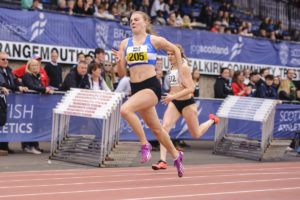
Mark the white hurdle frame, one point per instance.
(109, 113)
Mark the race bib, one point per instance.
(137, 54)
(173, 78)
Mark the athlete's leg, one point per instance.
(170, 118)
(139, 101)
(150, 117)
(190, 115)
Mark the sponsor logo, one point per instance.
(38, 27)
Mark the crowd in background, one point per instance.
(256, 84)
(175, 13)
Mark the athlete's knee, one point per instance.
(167, 127)
(194, 134)
(125, 111)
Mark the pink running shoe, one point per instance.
(178, 164)
(146, 153)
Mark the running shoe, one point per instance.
(160, 165)
(178, 164)
(215, 118)
(146, 153)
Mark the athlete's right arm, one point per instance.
(120, 58)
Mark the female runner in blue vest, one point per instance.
(180, 101)
(139, 53)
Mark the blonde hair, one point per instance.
(285, 86)
(149, 28)
(29, 63)
(182, 54)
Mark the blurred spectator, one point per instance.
(222, 87)
(156, 6)
(62, 6)
(88, 58)
(32, 80)
(70, 6)
(7, 78)
(89, 7)
(54, 71)
(102, 13)
(77, 78)
(159, 63)
(36, 5)
(187, 22)
(276, 82)
(172, 20)
(159, 76)
(206, 16)
(263, 73)
(219, 17)
(223, 7)
(79, 7)
(80, 57)
(238, 87)
(266, 90)
(124, 84)
(145, 7)
(290, 75)
(108, 75)
(95, 78)
(216, 27)
(231, 73)
(159, 19)
(19, 72)
(26, 4)
(97, 3)
(278, 29)
(285, 91)
(122, 8)
(246, 76)
(264, 27)
(9, 81)
(196, 80)
(298, 95)
(99, 56)
(249, 28)
(186, 8)
(254, 77)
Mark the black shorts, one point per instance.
(181, 104)
(150, 83)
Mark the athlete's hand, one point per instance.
(167, 98)
(117, 54)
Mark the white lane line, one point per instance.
(216, 193)
(122, 181)
(121, 170)
(87, 174)
(144, 187)
(145, 174)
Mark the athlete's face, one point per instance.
(137, 23)
(171, 57)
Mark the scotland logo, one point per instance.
(237, 48)
(38, 27)
(284, 54)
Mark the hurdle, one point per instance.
(86, 148)
(240, 144)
